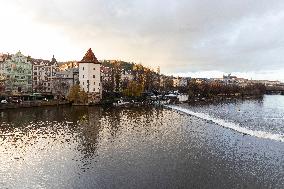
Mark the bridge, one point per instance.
(275, 90)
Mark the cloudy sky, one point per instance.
(200, 38)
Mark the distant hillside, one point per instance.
(123, 65)
(106, 63)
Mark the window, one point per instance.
(94, 76)
(83, 83)
(99, 84)
(94, 68)
(83, 68)
(94, 89)
(94, 83)
(83, 76)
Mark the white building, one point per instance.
(106, 73)
(180, 82)
(266, 82)
(126, 75)
(90, 76)
(175, 81)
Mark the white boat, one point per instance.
(120, 103)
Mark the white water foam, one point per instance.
(230, 125)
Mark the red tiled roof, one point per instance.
(89, 58)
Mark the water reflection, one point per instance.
(40, 129)
(105, 147)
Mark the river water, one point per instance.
(143, 147)
(263, 117)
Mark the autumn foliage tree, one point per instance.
(134, 89)
(77, 95)
(127, 77)
(116, 75)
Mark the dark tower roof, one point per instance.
(89, 58)
(53, 60)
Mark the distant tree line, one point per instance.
(213, 89)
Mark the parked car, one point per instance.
(15, 100)
(4, 101)
(45, 99)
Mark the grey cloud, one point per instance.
(181, 36)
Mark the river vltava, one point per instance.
(144, 147)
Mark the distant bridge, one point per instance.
(275, 90)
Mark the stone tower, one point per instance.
(90, 76)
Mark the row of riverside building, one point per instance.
(21, 75)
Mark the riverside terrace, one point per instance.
(25, 101)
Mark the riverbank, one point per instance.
(30, 104)
(129, 103)
(217, 99)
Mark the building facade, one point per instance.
(90, 76)
(180, 81)
(44, 72)
(3, 58)
(65, 80)
(16, 74)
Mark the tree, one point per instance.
(74, 94)
(192, 88)
(169, 83)
(108, 85)
(83, 96)
(116, 74)
(77, 95)
(149, 79)
(134, 89)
